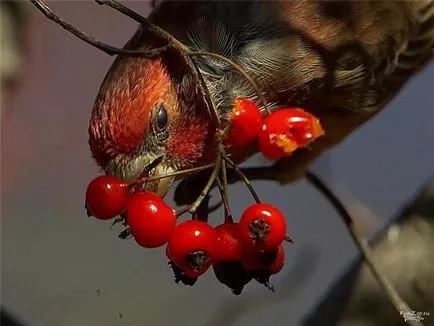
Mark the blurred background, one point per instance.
(60, 268)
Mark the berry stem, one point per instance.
(181, 212)
(240, 70)
(224, 182)
(202, 211)
(228, 214)
(209, 184)
(399, 304)
(234, 166)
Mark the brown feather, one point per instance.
(343, 60)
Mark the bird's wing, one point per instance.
(348, 54)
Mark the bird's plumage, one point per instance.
(341, 60)
(347, 54)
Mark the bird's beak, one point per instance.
(160, 186)
(137, 169)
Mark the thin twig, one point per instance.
(234, 166)
(240, 71)
(126, 11)
(225, 181)
(145, 23)
(110, 50)
(399, 304)
(202, 212)
(228, 214)
(181, 212)
(192, 209)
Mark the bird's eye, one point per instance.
(162, 117)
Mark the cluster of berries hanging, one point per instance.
(238, 252)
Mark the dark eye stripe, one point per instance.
(162, 117)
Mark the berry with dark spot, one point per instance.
(262, 227)
(192, 247)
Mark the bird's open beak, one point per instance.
(137, 169)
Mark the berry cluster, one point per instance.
(279, 134)
(238, 252)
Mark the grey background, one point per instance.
(55, 260)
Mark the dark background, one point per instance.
(60, 268)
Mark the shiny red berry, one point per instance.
(263, 227)
(180, 275)
(230, 246)
(246, 122)
(150, 219)
(285, 130)
(106, 197)
(271, 261)
(305, 126)
(192, 247)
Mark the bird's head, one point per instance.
(149, 109)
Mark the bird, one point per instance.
(343, 61)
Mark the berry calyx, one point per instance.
(246, 122)
(150, 219)
(192, 247)
(179, 274)
(230, 246)
(261, 265)
(286, 130)
(232, 274)
(106, 197)
(263, 227)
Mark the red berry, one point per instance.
(263, 227)
(285, 130)
(271, 261)
(246, 122)
(150, 219)
(106, 197)
(180, 275)
(192, 247)
(168, 255)
(229, 244)
(305, 126)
